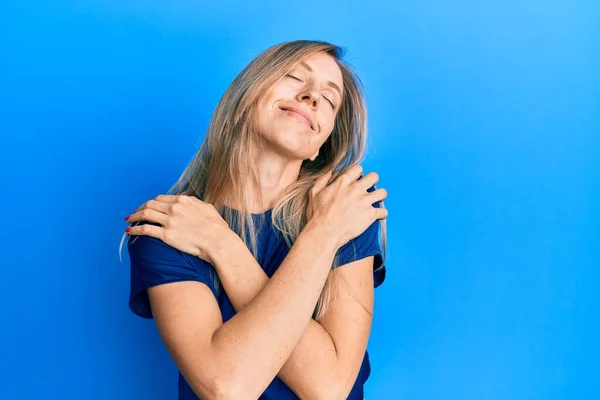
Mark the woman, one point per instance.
(259, 266)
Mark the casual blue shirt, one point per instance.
(154, 263)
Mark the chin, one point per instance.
(292, 149)
(290, 139)
(293, 153)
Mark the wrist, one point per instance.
(323, 234)
(224, 242)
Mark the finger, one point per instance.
(368, 181)
(149, 214)
(352, 174)
(321, 183)
(167, 198)
(146, 230)
(155, 205)
(377, 195)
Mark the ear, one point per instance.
(312, 158)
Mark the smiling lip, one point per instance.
(300, 112)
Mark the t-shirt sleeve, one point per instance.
(365, 245)
(152, 263)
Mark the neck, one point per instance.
(276, 173)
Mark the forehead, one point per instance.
(323, 65)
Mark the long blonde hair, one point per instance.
(227, 158)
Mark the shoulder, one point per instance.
(153, 262)
(366, 244)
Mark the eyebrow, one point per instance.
(330, 83)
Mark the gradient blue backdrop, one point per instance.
(484, 122)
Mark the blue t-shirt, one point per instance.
(154, 263)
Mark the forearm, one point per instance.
(258, 340)
(313, 366)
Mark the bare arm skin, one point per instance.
(238, 359)
(326, 361)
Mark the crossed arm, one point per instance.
(273, 332)
(326, 360)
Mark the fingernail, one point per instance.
(127, 229)
(127, 218)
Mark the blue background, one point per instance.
(484, 126)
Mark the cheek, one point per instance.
(266, 111)
(277, 93)
(327, 123)
(269, 106)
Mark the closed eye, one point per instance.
(300, 80)
(329, 101)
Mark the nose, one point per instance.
(310, 95)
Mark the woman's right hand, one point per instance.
(344, 208)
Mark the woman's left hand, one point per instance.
(187, 223)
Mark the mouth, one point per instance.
(299, 113)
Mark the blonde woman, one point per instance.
(259, 265)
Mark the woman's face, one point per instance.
(297, 114)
